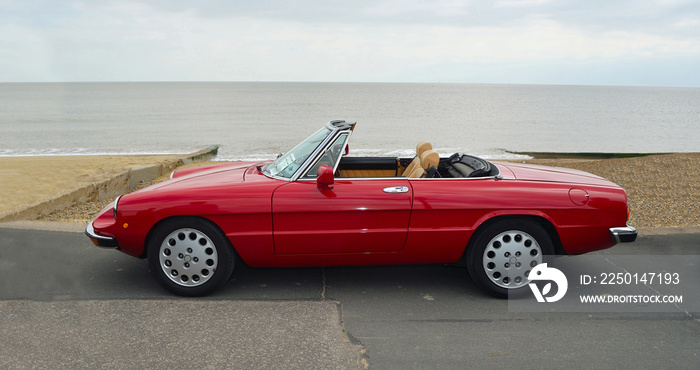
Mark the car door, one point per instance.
(355, 216)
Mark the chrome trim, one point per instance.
(406, 178)
(319, 152)
(459, 178)
(325, 150)
(102, 241)
(342, 150)
(114, 209)
(312, 158)
(337, 128)
(623, 234)
(355, 178)
(396, 189)
(302, 168)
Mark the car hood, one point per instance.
(531, 172)
(206, 176)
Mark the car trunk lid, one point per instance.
(530, 172)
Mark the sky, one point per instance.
(590, 42)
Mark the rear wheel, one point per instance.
(504, 253)
(190, 256)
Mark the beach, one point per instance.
(663, 190)
(29, 181)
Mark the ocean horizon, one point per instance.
(258, 120)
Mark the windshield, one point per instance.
(289, 162)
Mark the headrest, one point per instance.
(429, 158)
(422, 147)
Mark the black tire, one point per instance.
(191, 256)
(502, 254)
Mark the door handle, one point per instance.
(396, 189)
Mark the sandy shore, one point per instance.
(25, 181)
(663, 190)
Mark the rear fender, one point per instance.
(542, 219)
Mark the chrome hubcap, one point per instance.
(509, 257)
(188, 257)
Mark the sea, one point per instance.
(258, 120)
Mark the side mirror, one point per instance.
(346, 151)
(325, 178)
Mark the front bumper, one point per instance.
(623, 234)
(99, 240)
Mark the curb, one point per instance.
(668, 230)
(43, 226)
(110, 188)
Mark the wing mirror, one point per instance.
(325, 178)
(346, 151)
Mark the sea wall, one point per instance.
(110, 188)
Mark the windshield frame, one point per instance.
(333, 129)
(336, 161)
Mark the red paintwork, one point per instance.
(324, 178)
(199, 170)
(272, 222)
(533, 172)
(308, 220)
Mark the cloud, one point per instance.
(509, 41)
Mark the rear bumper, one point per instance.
(99, 240)
(623, 234)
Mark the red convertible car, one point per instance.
(316, 206)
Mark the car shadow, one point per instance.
(338, 282)
(105, 274)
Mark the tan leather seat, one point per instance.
(416, 162)
(417, 173)
(428, 159)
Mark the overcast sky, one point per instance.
(589, 42)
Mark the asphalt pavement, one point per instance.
(68, 304)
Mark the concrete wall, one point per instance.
(110, 188)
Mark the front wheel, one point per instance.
(504, 253)
(190, 256)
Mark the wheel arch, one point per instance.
(161, 222)
(540, 220)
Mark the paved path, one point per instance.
(65, 303)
